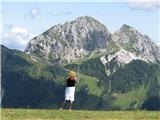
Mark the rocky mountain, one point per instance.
(131, 40)
(117, 59)
(86, 36)
(71, 40)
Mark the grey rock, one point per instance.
(84, 36)
(113, 61)
(70, 41)
(131, 40)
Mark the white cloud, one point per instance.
(34, 12)
(144, 4)
(16, 37)
(18, 30)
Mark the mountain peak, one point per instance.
(78, 38)
(126, 27)
(86, 18)
(87, 21)
(71, 40)
(130, 39)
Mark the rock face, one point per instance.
(133, 46)
(77, 39)
(71, 40)
(113, 61)
(131, 40)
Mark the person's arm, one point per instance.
(77, 80)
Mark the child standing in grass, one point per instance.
(70, 90)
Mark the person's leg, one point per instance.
(62, 105)
(70, 105)
(71, 97)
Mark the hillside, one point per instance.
(26, 83)
(30, 85)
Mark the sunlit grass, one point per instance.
(35, 114)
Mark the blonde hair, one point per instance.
(72, 75)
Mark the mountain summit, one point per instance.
(84, 36)
(71, 40)
(132, 40)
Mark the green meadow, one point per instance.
(42, 114)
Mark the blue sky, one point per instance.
(23, 20)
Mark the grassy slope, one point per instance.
(91, 82)
(134, 98)
(30, 114)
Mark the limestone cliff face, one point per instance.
(113, 61)
(71, 40)
(133, 46)
(85, 35)
(131, 40)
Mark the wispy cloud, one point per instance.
(33, 13)
(144, 4)
(15, 37)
